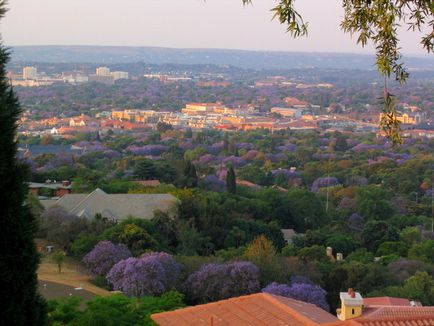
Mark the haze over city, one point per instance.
(181, 24)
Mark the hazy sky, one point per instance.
(179, 23)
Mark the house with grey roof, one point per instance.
(114, 206)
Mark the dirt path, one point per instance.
(70, 276)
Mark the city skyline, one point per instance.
(224, 24)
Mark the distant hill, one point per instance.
(239, 58)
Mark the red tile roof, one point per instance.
(415, 321)
(397, 312)
(250, 310)
(385, 301)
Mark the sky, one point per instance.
(223, 24)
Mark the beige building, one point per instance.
(103, 71)
(201, 108)
(30, 73)
(119, 75)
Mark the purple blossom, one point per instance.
(235, 161)
(280, 157)
(60, 160)
(287, 147)
(244, 146)
(306, 292)
(213, 183)
(355, 221)
(287, 173)
(186, 145)
(365, 147)
(151, 274)
(90, 146)
(208, 159)
(153, 150)
(323, 183)
(104, 256)
(221, 281)
(357, 180)
(323, 156)
(216, 148)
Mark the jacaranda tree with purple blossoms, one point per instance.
(151, 274)
(104, 256)
(306, 292)
(214, 282)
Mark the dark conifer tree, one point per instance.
(231, 183)
(20, 301)
(190, 175)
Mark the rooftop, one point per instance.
(249, 310)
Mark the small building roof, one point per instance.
(115, 206)
(249, 310)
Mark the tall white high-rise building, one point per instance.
(30, 73)
(103, 71)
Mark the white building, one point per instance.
(103, 71)
(30, 73)
(119, 75)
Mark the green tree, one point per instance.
(231, 183)
(59, 258)
(376, 232)
(21, 303)
(145, 169)
(190, 175)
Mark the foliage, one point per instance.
(58, 257)
(262, 253)
(151, 274)
(112, 311)
(104, 256)
(231, 185)
(22, 305)
(306, 292)
(214, 282)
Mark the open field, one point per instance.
(70, 276)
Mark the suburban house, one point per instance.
(51, 188)
(268, 309)
(114, 207)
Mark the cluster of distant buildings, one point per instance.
(31, 78)
(297, 115)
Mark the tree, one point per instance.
(59, 258)
(306, 292)
(190, 175)
(163, 126)
(231, 184)
(214, 282)
(145, 169)
(262, 253)
(376, 232)
(151, 274)
(21, 303)
(104, 256)
(376, 21)
(112, 310)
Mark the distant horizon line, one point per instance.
(416, 55)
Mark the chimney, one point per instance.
(351, 305)
(329, 251)
(339, 256)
